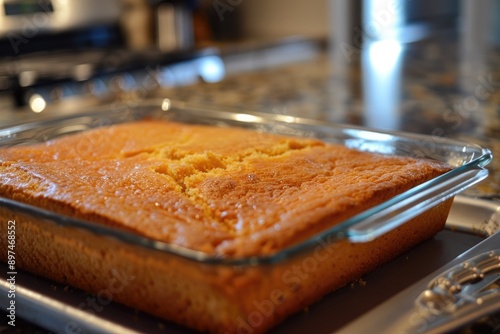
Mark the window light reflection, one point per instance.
(382, 66)
(384, 55)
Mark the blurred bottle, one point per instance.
(173, 24)
(136, 24)
(166, 25)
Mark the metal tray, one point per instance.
(458, 296)
(55, 307)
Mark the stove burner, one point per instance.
(54, 77)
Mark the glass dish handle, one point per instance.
(424, 198)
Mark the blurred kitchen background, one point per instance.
(426, 66)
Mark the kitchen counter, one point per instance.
(424, 87)
(421, 87)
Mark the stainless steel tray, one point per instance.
(464, 291)
(59, 308)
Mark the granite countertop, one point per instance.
(423, 87)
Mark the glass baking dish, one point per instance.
(271, 280)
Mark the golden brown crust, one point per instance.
(227, 191)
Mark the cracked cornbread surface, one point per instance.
(225, 191)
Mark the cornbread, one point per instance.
(228, 192)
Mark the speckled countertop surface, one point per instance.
(423, 87)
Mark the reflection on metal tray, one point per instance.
(60, 308)
(461, 292)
